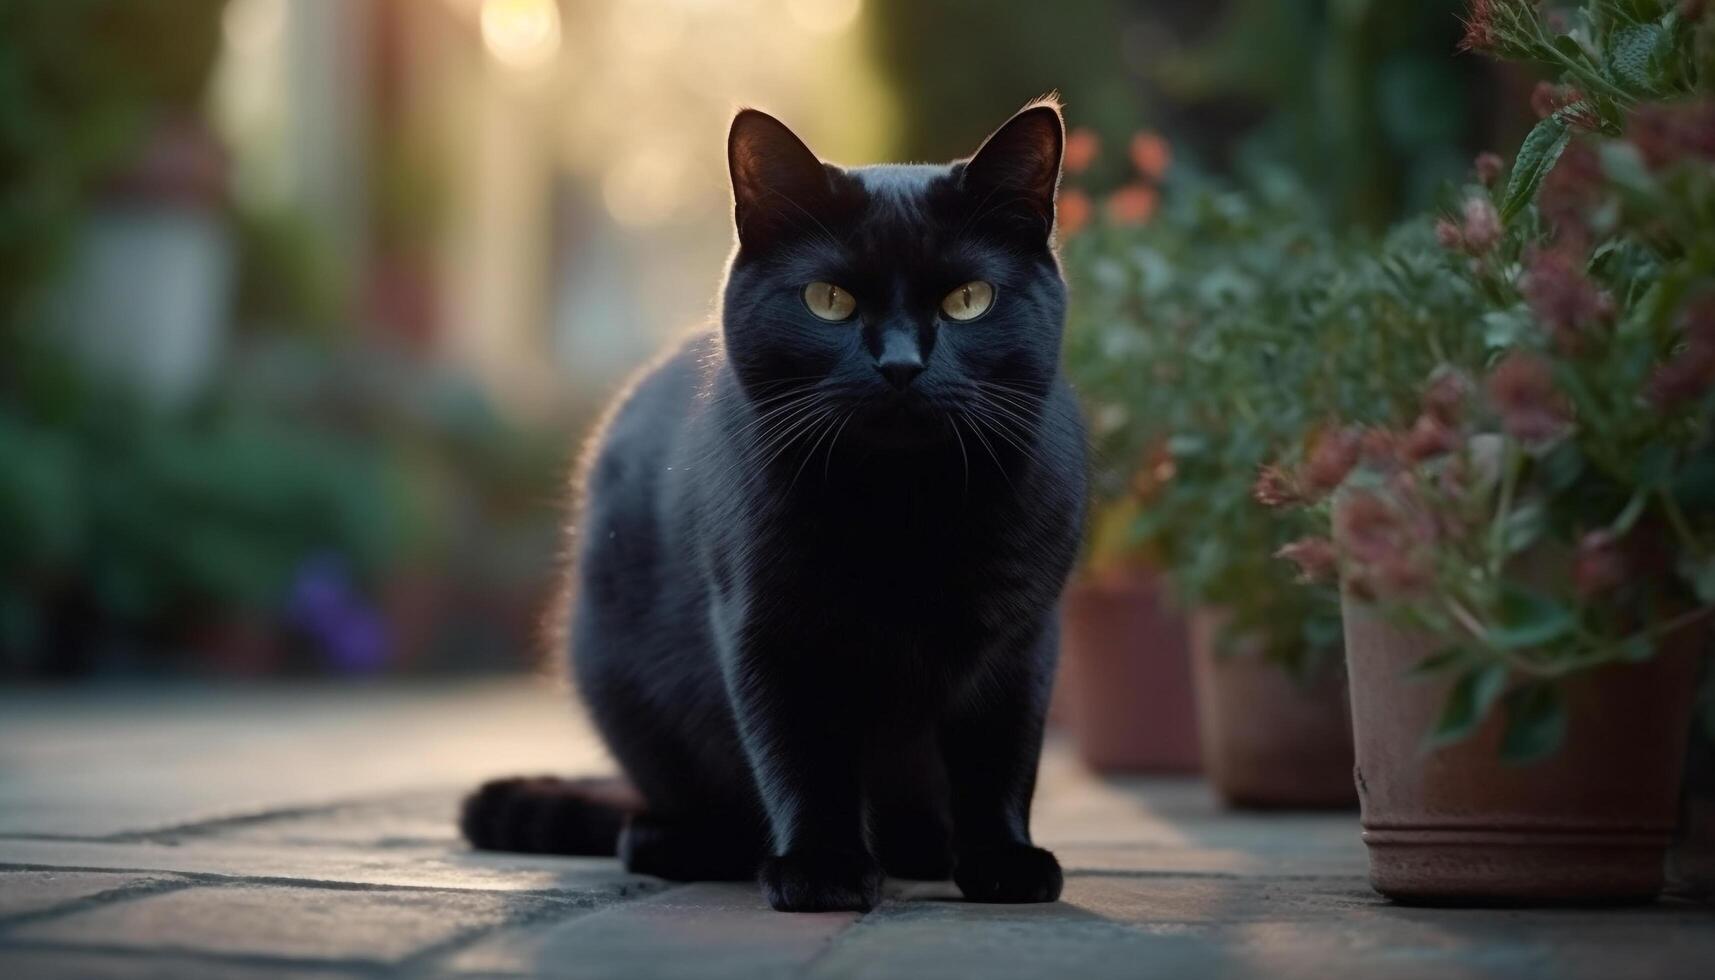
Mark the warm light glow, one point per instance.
(824, 16)
(645, 188)
(521, 34)
(251, 26)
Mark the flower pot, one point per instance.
(1270, 740)
(1691, 863)
(146, 295)
(1457, 825)
(1125, 672)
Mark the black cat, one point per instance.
(820, 549)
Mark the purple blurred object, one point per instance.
(327, 606)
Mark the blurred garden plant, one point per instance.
(1549, 507)
(1226, 329)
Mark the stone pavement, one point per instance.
(289, 831)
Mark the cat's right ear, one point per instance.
(777, 183)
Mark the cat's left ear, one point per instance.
(1016, 171)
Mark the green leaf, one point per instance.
(1536, 157)
(1435, 663)
(1523, 527)
(1561, 466)
(1468, 703)
(1186, 444)
(1536, 723)
(1504, 328)
(1632, 56)
(1636, 649)
(1655, 465)
(1701, 575)
(1529, 619)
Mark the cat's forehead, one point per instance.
(898, 180)
(904, 208)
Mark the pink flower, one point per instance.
(1275, 488)
(1332, 456)
(1387, 548)
(1564, 300)
(1445, 397)
(1428, 439)
(1448, 235)
(1480, 27)
(1316, 559)
(1482, 225)
(1489, 167)
(1523, 392)
(1685, 378)
(1600, 564)
(1379, 448)
(1666, 134)
(1548, 98)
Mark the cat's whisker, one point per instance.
(833, 422)
(829, 459)
(976, 430)
(1025, 424)
(799, 426)
(997, 426)
(964, 457)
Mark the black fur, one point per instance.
(814, 614)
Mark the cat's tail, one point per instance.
(546, 815)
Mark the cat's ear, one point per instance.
(778, 185)
(1016, 171)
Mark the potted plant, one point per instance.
(1528, 564)
(1124, 687)
(1185, 354)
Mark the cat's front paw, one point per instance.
(812, 881)
(1008, 873)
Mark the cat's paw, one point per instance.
(811, 881)
(1008, 873)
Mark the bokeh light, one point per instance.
(521, 34)
(824, 16)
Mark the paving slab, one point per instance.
(452, 867)
(308, 832)
(282, 921)
(52, 964)
(31, 893)
(706, 930)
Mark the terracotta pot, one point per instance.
(1270, 740)
(1691, 863)
(1458, 825)
(1125, 673)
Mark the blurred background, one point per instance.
(305, 305)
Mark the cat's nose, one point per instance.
(900, 361)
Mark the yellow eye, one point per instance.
(829, 301)
(969, 301)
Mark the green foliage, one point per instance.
(1562, 516)
(1219, 336)
(143, 519)
(1360, 97)
(1517, 398)
(79, 81)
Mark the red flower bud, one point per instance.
(1600, 564)
(1489, 167)
(1532, 409)
(1316, 559)
(1332, 456)
(1275, 488)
